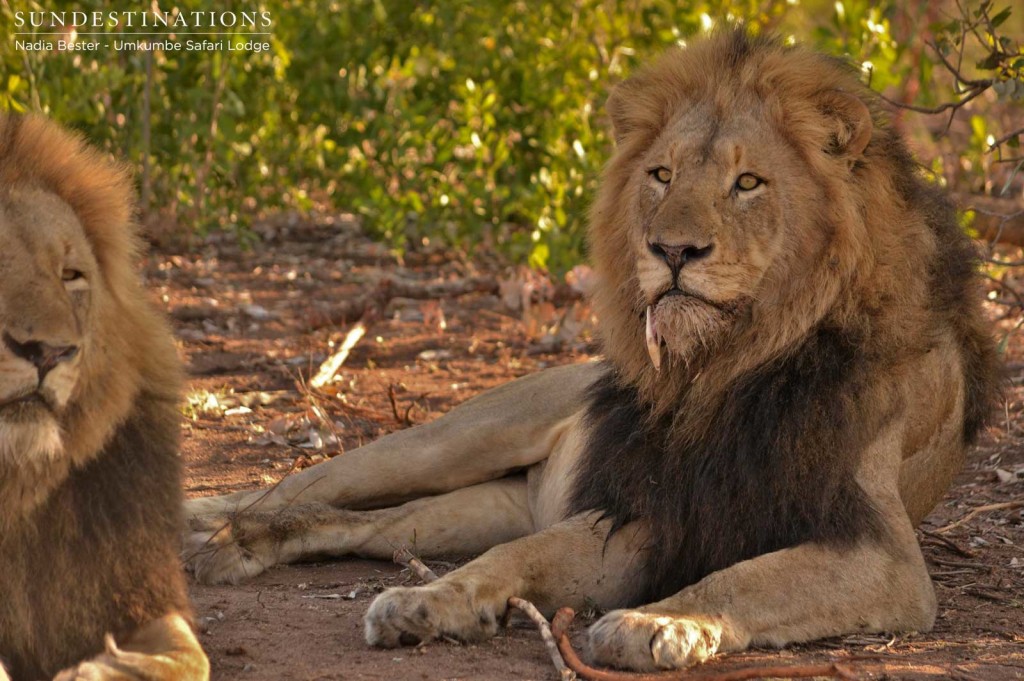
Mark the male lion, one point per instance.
(795, 363)
(90, 580)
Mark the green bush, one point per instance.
(467, 122)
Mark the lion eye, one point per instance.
(746, 182)
(661, 174)
(68, 274)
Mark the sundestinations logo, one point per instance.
(136, 30)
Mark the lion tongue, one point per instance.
(653, 341)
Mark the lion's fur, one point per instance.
(88, 533)
(755, 443)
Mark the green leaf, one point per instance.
(992, 61)
(1000, 18)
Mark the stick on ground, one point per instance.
(333, 363)
(404, 557)
(1005, 506)
(530, 610)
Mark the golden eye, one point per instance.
(661, 174)
(68, 274)
(746, 182)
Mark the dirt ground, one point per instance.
(254, 325)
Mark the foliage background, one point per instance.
(475, 123)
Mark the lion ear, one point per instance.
(849, 123)
(631, 107)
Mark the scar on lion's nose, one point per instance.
(44, 356)
(677, 255)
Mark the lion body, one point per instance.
(749, 468)
(89, 386)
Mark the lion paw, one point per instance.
(630, 639)
(222, 550)
(407, 616)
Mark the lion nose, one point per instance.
(44, 356)
(675, 256)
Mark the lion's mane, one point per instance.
(94, 551)
(754, 447)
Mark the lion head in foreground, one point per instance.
(758, 191)
(77, 336)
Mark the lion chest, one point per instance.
(550, 481)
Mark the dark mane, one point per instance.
(98, 557)
(772, 471)
(954, 287)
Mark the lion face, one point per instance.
(711, 224)
(46, 272)
(79, 340)
(726, 226)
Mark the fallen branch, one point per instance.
(399, 419)
(1004, 506)
(404, 557)
(530, 610)
(947, 543)
(563, 618)
(333, 363)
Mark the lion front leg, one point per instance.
(163, 650)
(799, 594)
(569, 563)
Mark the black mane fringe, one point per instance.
(100, 555)
(774, 468)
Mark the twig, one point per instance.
(563, 618)
(1005, 138)
(330, 367)
(1004, 506)
(530, 610)
(948, 543)
(962, 564)
(987, 594)
(404, 557)
(406, 421)
(972, 93)
(408, 411)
